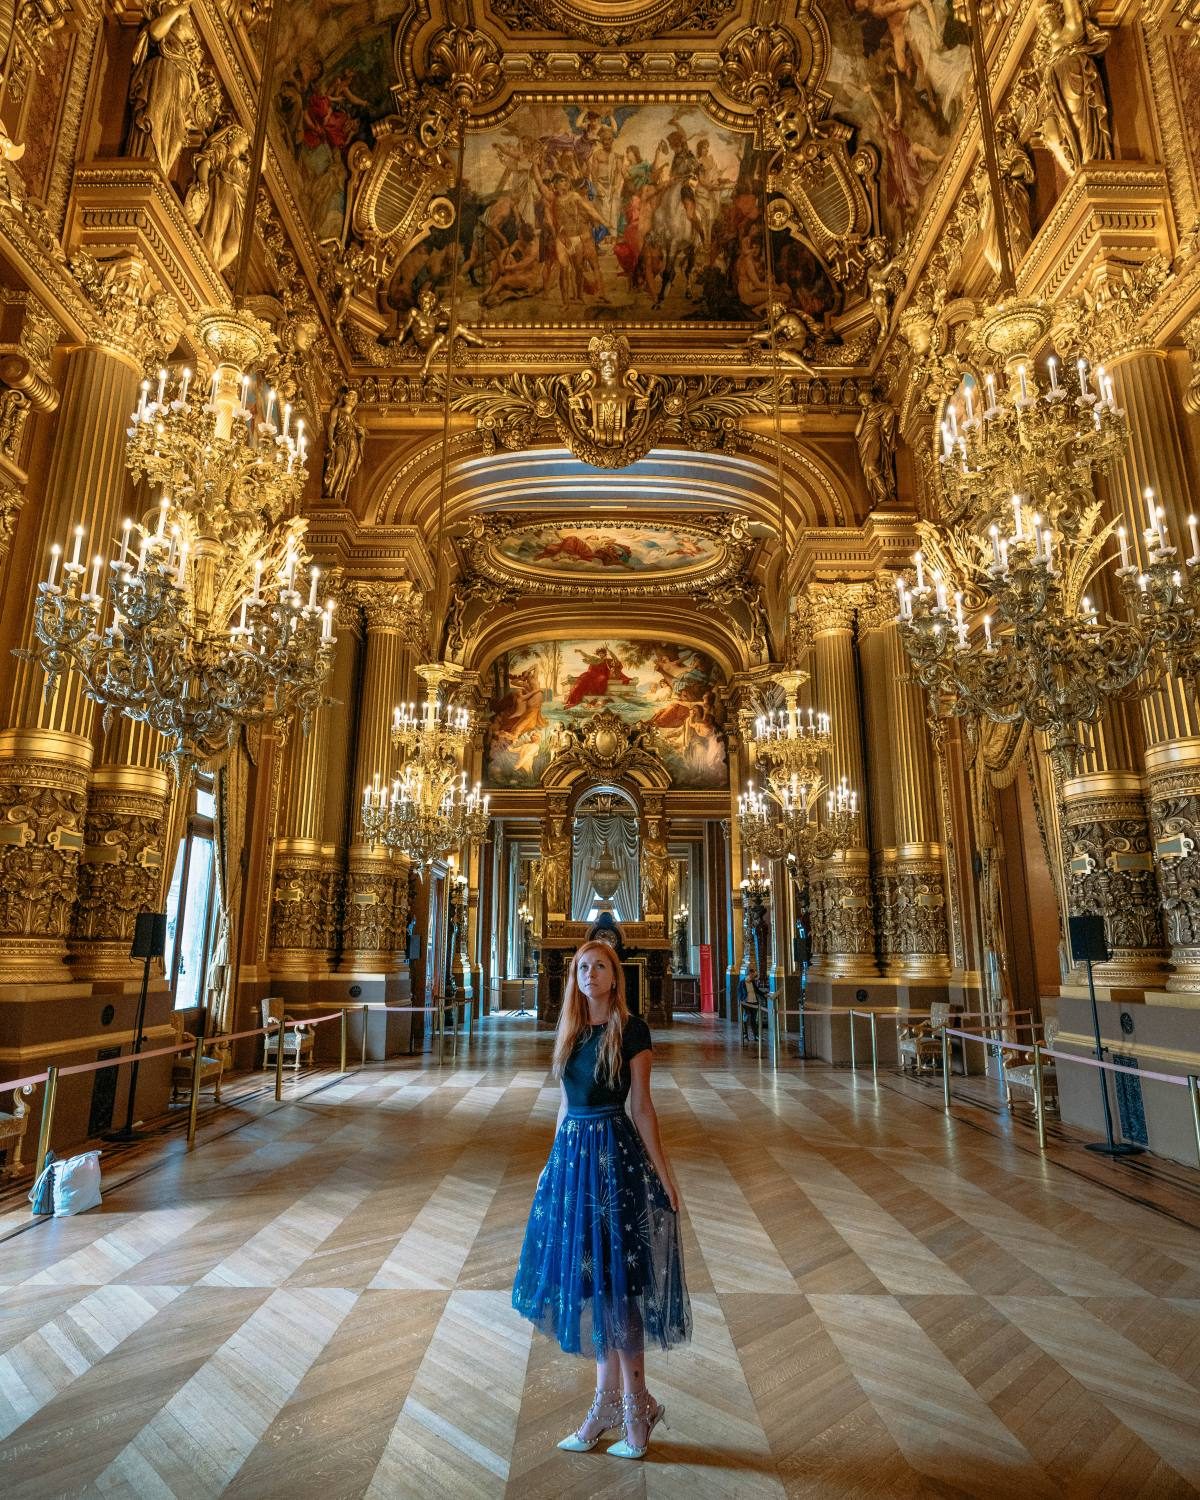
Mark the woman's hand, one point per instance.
(672, 1192)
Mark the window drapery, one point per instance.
(591, 833)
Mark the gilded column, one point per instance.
(376, 900)
(48, 753)
(845, 928)
(1155, 458)
(875, 619)
(302, 899)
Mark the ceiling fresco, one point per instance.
(628, 213)
(609, 551)
(542, 693)
(587, 205)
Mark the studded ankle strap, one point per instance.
(640, 1406)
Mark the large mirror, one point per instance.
(604, 856)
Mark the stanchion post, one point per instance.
(1039, 1098)
(365, 1014)
(946, 1070)
(439, 1020)
(772, 1033)
(853, 1055)
(342, 1051)
(874, 1050)
(47, 1120)
(1193, 1095)
(279, 1058)
(194, 1095)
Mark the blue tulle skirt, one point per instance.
(601, 1268)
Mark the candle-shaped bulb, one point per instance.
(78, 546)
(55, 554)
(126, 527)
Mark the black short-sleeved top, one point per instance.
(579, 1075)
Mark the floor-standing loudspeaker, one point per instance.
(1089, 945)
(149, 942)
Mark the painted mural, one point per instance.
(627, 213)
(901, 71)
(608, 551)
(326, 106)
(539, 690)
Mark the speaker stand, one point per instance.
(127, 1133)
(1109, 1146)
(522, 1011)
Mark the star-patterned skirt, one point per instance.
(602, 1267)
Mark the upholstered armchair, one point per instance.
(921, 1045)
(297, 1044)
(212, 1065)
(1019, 1075)
(12, 1129)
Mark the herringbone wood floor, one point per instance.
(887, 1304)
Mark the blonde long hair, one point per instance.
(573, 1019)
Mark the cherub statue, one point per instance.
(884, 279)
(793, 333)
(429, 324)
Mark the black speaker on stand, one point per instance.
(149, 942)
(1089, 945)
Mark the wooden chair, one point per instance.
(211, 1069)
(1020, 1075)
(12, 1129)
(297, 1045)
(922, 1044)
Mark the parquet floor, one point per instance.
(887, 1303)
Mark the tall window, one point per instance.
(190, 904)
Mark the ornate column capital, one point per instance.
(393, 608)
(1191, 338)
(831, 608)
(878, 609)
(28, 335)
(138, 320)
(1110, 319)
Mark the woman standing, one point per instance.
(601, 1267)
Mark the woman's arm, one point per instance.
(562, 1107)
(641, 1110)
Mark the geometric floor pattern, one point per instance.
(887, 1303)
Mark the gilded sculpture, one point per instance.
(344, 439)
(172, 91)
(428, 326)
(217, 198)
(875, 437)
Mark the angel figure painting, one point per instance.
(901, 71)
(541, 692)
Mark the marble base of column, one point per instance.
(923, 939)
(1173, 770)
(304, 892)
(374, 912)
(43, 801)
(845, 929)
(120, 872)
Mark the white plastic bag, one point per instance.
(77, 1184)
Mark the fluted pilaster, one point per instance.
(843, 910)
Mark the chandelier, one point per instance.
(428, 811)
(1000, 620)
(198, 621)
(780, 820)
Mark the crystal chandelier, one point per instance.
(428, 811)
(195, 624)
(1163, 598)
(204, 628)
(999, 620)
(780, 819)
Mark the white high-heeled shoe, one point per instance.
(639, 1408)
(606, 1407)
